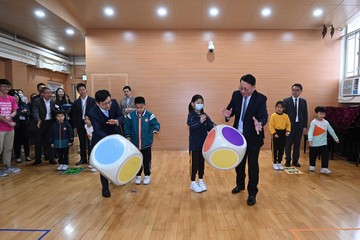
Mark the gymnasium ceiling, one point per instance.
(17, 17)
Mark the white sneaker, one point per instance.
(147, 180)
(3, 173)
(195, 187)
(202, 185)
(312, 168)
(325, 171)
(10, 169)
(28, 158)
(18, 160)
(138, 180)
(60, 167)
(275, 166)
(93, 170)
(280, 166)
(64, 167)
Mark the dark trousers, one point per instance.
(21, 139)
(63, 154)
(252, 157)
(293, 142)
(315, 151)
(197, 165)
(42, 139)
(278, 145)
(84, 143)
(146, 152)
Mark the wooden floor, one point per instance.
(39, 203)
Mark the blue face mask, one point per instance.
(199, 106)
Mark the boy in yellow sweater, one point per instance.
(279, 126)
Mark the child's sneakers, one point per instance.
(147, 180)
(280, 167)
(10, 169)
(312, 168)
(60, 167)
(138, 180)
(202, 185)
(325, 171)
(195, 187)
(275, 166)
(65, 167)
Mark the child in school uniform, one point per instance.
(140, 126)
(199, 123)
(89, 131)
(279, 126)
(61, 138)
(317, 138)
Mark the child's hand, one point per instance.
(52, 145)
(287, 134)
(128, 138)
(276, 136)
(337, 141)
(202, 118)
(70, 144)
(156, 131)
(310, 144)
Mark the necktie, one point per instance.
(295, 107)
(244, 109)
(107, 113)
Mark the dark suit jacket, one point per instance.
(256, 108)
(98, 121)
(77, 111)
(302, 111)
(39, 110)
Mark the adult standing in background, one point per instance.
(296, 108)
(127, 103)
(42, 112)
(80, 108)
(249, 108)
(39, 87)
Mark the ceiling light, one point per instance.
(214, 12)
(162, 11)
(317, 12)
(70, 31)
(61, 48)
(266, 12)
(109, 11)
(40, 13)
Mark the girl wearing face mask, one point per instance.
(199, 123)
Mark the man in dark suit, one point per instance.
(249, 108)
(106, 118)
(296, 108)
(81, 107)
(42, 111)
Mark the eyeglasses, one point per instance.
(244, 89)
(105, 103)
(296, 90)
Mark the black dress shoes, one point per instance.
(296, 164)
(52, 162)
(81, 162)
(106, 193)
(237, 189)
(36, 163)
(251, 200)
(287, 164)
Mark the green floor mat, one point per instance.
(72, 171)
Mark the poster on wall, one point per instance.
(54, 85)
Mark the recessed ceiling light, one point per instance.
(61, 48)
(70, 31)
(109, 11)
(317, 12)
(40, 13)
(162, 11)
(266, 12)
(214, 11)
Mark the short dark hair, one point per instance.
(280, 103)
(248, 78)
(139, 100)
(320, 109)
(102, 95)
(59, 112)
(127, 87)
(4, 81)
(80, 85)
(39, 84)
(45, 88)
(297, 85)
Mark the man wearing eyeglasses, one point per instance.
(296, 108)
(106, 118)
(249, 108)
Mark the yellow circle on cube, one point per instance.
(224, 158)
(129, 169)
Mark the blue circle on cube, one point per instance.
(109, 151)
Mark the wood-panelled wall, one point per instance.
(169, 67)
